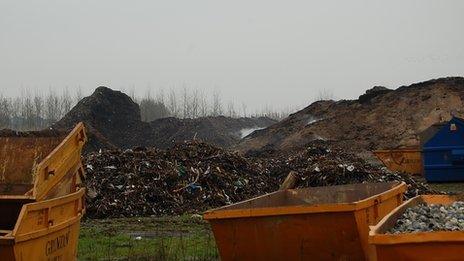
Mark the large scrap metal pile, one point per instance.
(324, 164)
(190, 177)
(195, 176)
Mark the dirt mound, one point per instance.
(109, 116)
(193, 177)
(113, 121)
(381, 118)
(220, 131)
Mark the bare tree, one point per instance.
(52, 107)
(185, 103)
(325, 95)
(27, 111)
(172, 104)
(231, 109)
(38, 111)
(195, 104)
(132, 95)
(216, 108)
(30, 112)
(244, 109)
(159, 98)
(151, 109)
(203, 105)
(65, 103)
(79, 95)
(145, 105)
(5, 111)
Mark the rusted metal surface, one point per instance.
(19, 156)
(322, 223)
(15, 189)
(446, 245)
(41, 161)
(401, 160)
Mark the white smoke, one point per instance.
(247, 131)
(312, 120)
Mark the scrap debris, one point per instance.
(194, 176)
(322, 164)
(191, 177)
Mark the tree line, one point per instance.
(36, 111)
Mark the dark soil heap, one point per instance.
(379, 119)
(193, 177)
(113, 121)
(220, 131)
(111, 118)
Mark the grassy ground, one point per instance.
(168, 238)
(448, 187)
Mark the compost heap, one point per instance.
(193, 177)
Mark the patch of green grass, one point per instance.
(165, 238)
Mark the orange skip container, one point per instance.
(319, 223)
(401, 160)
(442, 245)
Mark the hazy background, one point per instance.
(258, 52)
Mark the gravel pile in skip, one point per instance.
(194, 176)
(429, 218)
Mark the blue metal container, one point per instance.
(443, 154)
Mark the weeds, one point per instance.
(168, 238)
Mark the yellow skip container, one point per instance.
(41, 200)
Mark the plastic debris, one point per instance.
(194, 176)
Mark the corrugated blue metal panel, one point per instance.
(443, 154)
(445, 174)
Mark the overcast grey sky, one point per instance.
(258, 52)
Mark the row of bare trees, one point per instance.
(194, 103)
(35, 111)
